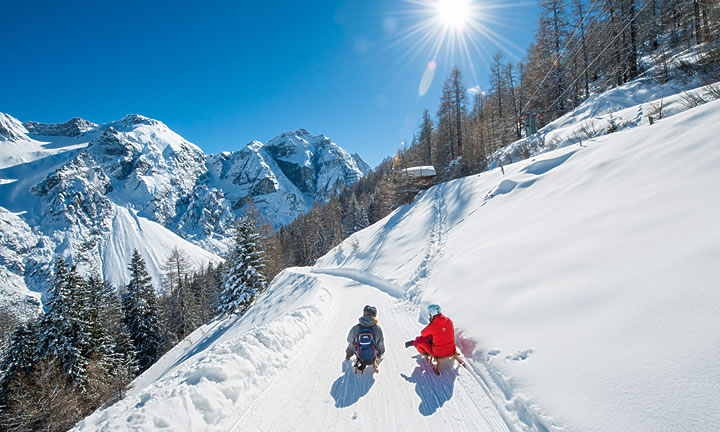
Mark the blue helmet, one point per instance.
(433, 310)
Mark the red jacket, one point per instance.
(443, 335)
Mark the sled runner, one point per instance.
(435, 361)
(359, 367)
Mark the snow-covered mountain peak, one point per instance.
(255, 145)
(81, 188)
(71, 128)
(113, 151)
(315, 163)
(154, 136)
(130, 120)
(298, 137)
(11, 129)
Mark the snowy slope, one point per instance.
(19, 146)
(629, 105)
(587, 276)
(583, 284)
(280, 368)
(154, 242)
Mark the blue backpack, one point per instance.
(365, 348)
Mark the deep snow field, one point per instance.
(583, 284)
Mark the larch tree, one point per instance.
(425, 137)
(181, 314)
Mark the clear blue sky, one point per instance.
(222, 73)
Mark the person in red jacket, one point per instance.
(437, 339)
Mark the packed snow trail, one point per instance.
(319, 391)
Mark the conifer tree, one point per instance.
(243, 279)
(425, 138)
(451, 115)
(552, 38)
(20, 357)
(141, 314)
(116, 344)
(182, 316)
(64, 332)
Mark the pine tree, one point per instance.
(116, 345)
(64, 332)
(8, 323)
(243, 280)
(141, 314)
(20, 357)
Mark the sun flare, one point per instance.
(453, 13)
(453, 33)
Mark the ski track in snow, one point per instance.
(318, 391)
(415, 286)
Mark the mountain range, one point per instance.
(92, 193)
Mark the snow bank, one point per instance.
(633, 104)
(208, 381)
(364, 278)
(586, 277)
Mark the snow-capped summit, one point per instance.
(135, 119)
(11, 129)
(91, 193)
(71, 128)
(151, 167)
(314, 163)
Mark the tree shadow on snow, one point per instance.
(350, 387)
(434, 390)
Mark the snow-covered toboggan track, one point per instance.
(318, 391)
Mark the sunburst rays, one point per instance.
(452, 32)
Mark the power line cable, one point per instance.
(566, 45)
(599, 55)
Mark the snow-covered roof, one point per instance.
(420, 171)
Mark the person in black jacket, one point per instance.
(368, 320)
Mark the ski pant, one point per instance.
(423, 345)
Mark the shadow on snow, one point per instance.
(434, 390)
(350, 387)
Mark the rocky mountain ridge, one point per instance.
(91, 193)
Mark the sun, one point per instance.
(453, 14)
(452, 33)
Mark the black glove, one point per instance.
(408, 344)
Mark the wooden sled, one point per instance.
(375, 366)
(435, 361)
